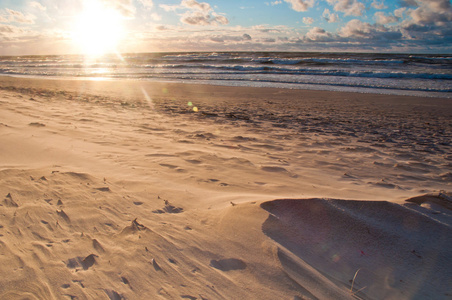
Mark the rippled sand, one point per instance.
(138, 190)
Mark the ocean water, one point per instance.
(398, 74)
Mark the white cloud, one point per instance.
(330, 17)
(37, 5)
(318, 34)
(192, 4)
(217, 39)
(348, 7)
(231, 39)
(399, 12)
(6, 30)
(246, 37)
(156, 17)
(203, 19)
(124, 7)
(275, 2)
(13, 16)
(308, 20)
(267, 29)
(168, 8)
(358, 30)
(427, 21)
(300, 5)
(161, 28)
(431, 12)
(196, 18)
(378, 5)
(267, 40)
(408, 3)
(357, 35)
(197, 13)
(382, 18)
(220, 19)
(147, 3)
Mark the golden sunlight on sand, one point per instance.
(123, 190)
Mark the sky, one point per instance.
(44, 27)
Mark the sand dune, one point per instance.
(123, 190)
(398, 251)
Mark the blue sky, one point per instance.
(99, 26)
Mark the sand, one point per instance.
(151, 190)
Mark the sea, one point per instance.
(396, 74)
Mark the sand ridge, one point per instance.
(123, 190)
(390, 244)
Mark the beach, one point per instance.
(129, 189)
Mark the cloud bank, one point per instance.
(191, 25)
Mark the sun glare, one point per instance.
(98, 29)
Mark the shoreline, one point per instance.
(111, 82)
(265, 85)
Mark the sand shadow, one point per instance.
(229, 264)
(399, 251)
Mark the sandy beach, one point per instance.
(152, 190)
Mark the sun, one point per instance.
(98, 29)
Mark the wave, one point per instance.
(244, 69)
(360, 70)
(311, 59)
(368, 85)
(236, 70)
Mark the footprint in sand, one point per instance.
(169, 208)
(103, 189)
(385, 184)
(113, 295)
(63, 215)
(194, 161)
(229, 264)
(36, 124)
(78, 262)
(217, 180)
(273, 169)
(173, 167)
(169, 166)
(156, 265)
(9, 202)
(98, 246)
